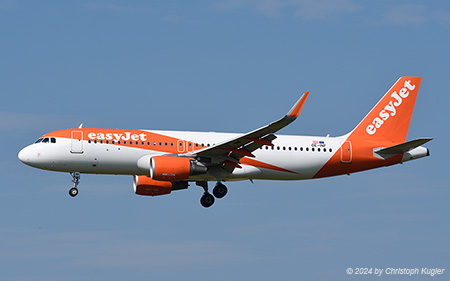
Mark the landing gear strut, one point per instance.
(76, 180)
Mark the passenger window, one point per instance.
(107, 142)
(289, 148)
(118, 142)
(148, 143)
(89, 141)
(331, 150)
(284, 147)
(312, 149)
(307, 149)
(165, 144)
(295, 148)
(160, 144)
(101, 141)
(113, 142)
(171, 144)
(137, 143)
(95, 141)
(318, 149)
(301, 148)
(52, 140)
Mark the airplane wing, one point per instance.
(228, 153)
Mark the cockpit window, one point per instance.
(46, 140)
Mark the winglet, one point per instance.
(295, 110)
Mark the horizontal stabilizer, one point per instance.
(403, 147)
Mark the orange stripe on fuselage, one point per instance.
(258, 164)
(132, 138)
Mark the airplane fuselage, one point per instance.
(103, 151)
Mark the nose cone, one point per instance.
(26, 155)
(23, 155)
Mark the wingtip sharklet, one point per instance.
(295, 110)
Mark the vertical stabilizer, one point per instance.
(390, 118)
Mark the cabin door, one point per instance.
(346, 152)
(77, 142)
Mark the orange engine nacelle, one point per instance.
(147, 186)
(173, 168)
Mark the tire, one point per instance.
(220, 190)
(73, 192)
(207, 200)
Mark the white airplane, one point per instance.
(162, 161)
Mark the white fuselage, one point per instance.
(303, 156)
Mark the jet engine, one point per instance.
(173, 168)
(146, 186)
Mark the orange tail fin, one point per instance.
(390, 118)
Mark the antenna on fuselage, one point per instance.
(81, 126)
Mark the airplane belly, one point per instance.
(105, 159)
(244, 173)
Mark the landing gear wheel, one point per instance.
(207, 200)
(73, 192)
(76, 180)
(220, 190)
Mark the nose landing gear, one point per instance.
(76, 180)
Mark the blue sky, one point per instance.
(230, 66)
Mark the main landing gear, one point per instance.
(76, 180)
(219, 191)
